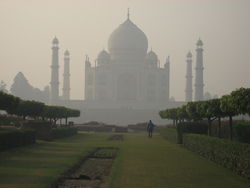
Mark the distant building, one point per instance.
(128, 73)
(21, 88)
(199, 83)
(189, 79)
(66, 77)
(126, 83)
(54, 84)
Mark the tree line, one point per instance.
(34, 109)
(236, 103)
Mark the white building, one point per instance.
(125, 84)
(127, 73)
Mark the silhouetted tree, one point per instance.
(8, 102)
(228, 107)
(26, 108)
(3, 87)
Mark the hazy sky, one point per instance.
(27, 28)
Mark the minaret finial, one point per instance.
(128, 14)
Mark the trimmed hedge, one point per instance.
(10, 120)
(10, 139)
(194, 127)
(242, 131)
(230, 154)
(169, 133)
(63, 132)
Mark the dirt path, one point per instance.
(91, 171)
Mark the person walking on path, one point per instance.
(150, 128)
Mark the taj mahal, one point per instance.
(126, 83)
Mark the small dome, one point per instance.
(55, 41)
(66, 53)
(199, 42)
(189, 54)
(103, 57)
(152, 57)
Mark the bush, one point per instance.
(63, 132)
(169, 133)
(194, 127)
(242, 131)
(42, 128)
(10, 139)
(10, 120)
(230, 154)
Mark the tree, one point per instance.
(169, 114)
(212, 110)
(8, 102)
(218, 113)
(53, 113)
(3, 87)
(58, 112)
(229, 108)
(194, 110)
(241, 98)
(71, 113)
(182, 113)
(26, 108)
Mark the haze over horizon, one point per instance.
(83, 27)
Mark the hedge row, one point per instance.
(10, 139)
(194, 127)
(63, 132)
(10, 120)
(242, 131)
(170, 134)
(230, 154)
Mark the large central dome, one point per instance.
(128, 42)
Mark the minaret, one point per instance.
(189, 77)
(199, 85)
(54, 84)
(167, 69)
(66, 77)
(88, 76)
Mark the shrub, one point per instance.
(42, 128)
(169, 133)
(230, 154)
(194, 127)
(15, 138)
(242, 131)
(10, 120)
(63, 132)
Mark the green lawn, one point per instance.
(39, 164)
(141, 162)
(157, 163)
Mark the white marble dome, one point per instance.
(128, 41)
